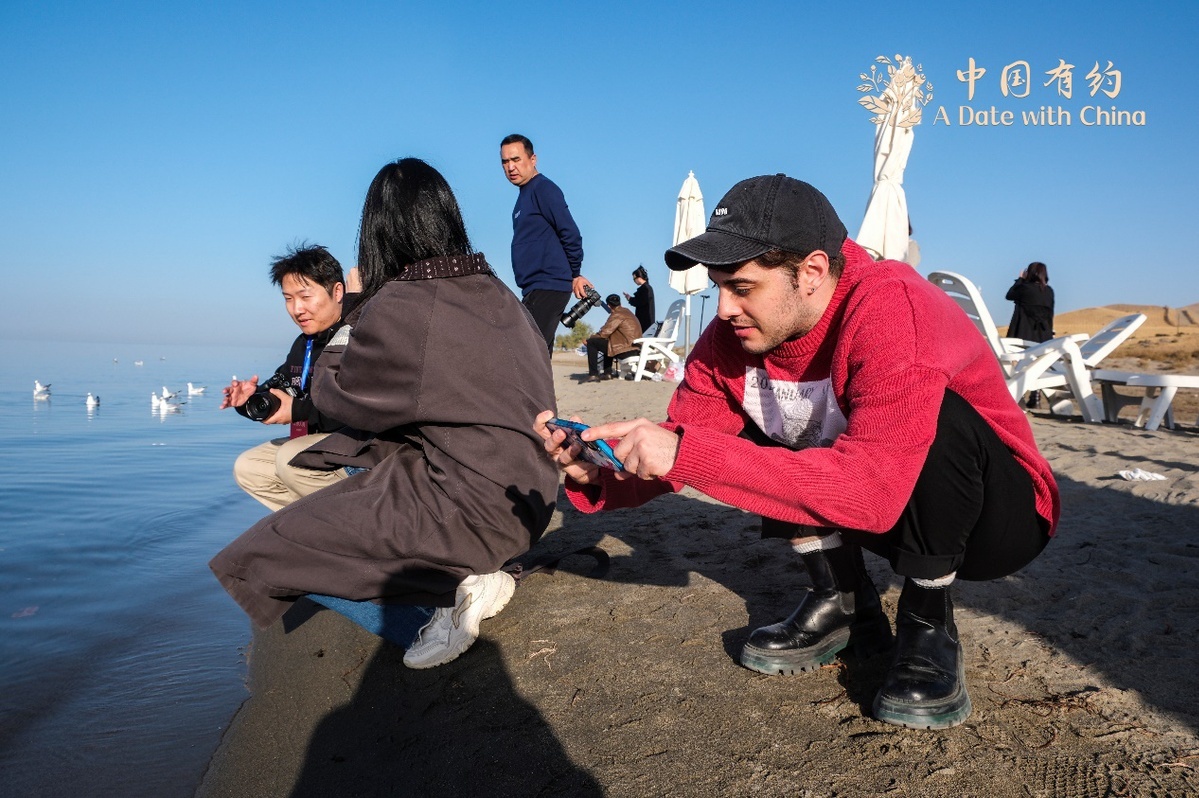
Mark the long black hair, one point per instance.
(409, 215)
(1037, 273)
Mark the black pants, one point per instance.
(973, 509)
(597, 356)
(546, 307)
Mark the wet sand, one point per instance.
(1082, 667)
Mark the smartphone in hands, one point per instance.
(597, 452)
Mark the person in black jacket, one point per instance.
(313, 290)
(1032, 318)
(642, 300)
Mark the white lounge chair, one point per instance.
(1060, 367)
(1155, 404)
(1057, 369)
(1091, 353)
(968, 298)
(659, 348)
(1024, 363)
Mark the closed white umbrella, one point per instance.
(689, 221)
(884, 231)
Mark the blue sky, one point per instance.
(153, 157)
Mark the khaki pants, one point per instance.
(264, 473)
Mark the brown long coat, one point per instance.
(448, 373)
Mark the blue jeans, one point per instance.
(396, 623)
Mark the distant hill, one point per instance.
(1169, 336)
(1159, 316)
(1187, 315)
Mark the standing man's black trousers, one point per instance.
(546, 307)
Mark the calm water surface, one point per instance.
(121, 658)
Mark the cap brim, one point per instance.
(713, 248)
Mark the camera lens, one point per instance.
(571, 317)
(262, 405)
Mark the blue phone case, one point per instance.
(597, 452)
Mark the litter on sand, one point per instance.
(1141, 475)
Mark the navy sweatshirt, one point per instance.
(547, 248)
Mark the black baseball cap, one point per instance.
(761, 214)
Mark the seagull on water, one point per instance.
(166, 394)
(195, 390)
(41, 391)
(92, 401)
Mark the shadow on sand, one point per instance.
(1123, 608)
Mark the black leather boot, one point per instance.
(926, 686)
(842, 610)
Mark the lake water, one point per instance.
(121, 658)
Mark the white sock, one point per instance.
(822, 543)
(944, 581)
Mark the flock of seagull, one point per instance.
(164, 403)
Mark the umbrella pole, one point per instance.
(687, 331)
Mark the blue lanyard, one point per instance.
(307, 364)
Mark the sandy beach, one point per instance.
(1082, 667)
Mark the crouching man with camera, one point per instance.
(313, 290)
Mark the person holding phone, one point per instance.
(854, 406)
(642, 300)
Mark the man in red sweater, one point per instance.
(853, 405)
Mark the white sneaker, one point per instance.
(454, 629)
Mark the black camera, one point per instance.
(261, 406)
(589, 300)
(264, 404)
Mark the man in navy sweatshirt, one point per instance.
(547, 248)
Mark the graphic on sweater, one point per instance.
(798, 415)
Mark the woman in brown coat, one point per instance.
(439, 369)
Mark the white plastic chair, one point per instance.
(659, 348)
(1060, 367)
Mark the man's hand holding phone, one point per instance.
(645, 449)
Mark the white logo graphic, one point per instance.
(902, 92)
(798, 415)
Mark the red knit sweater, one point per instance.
(855, 403)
